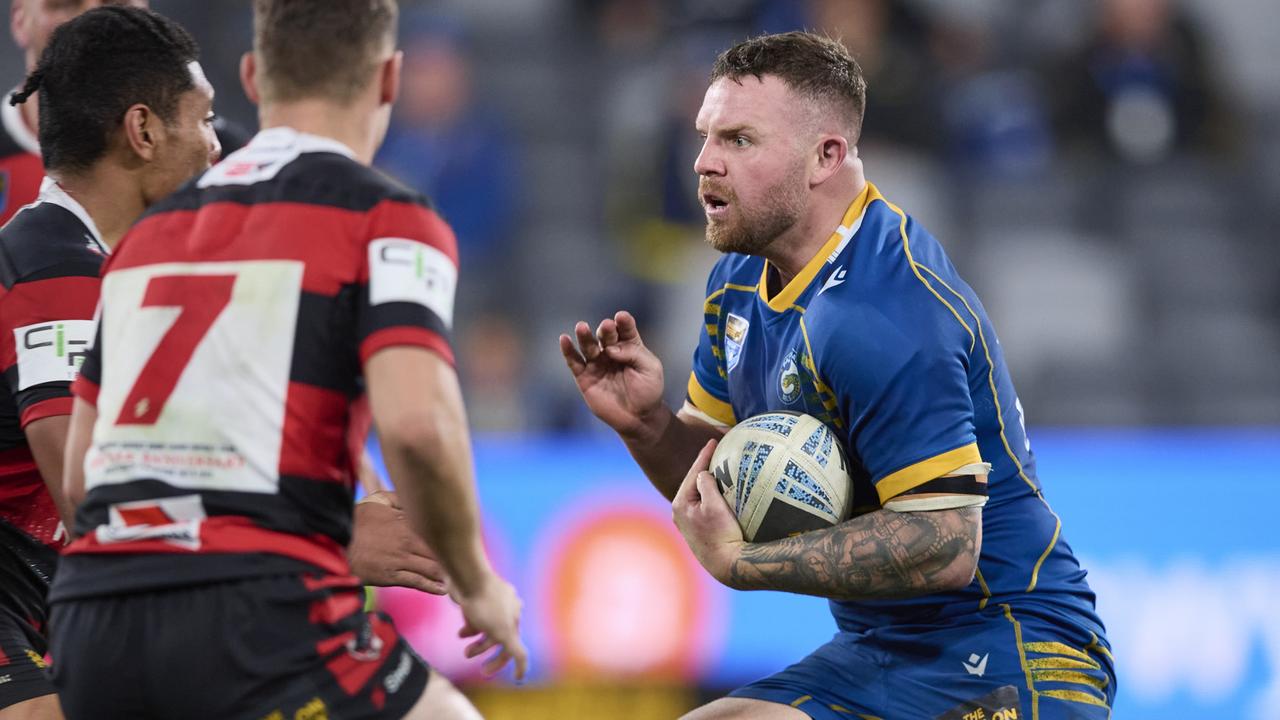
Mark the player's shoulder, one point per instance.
(889, 254)
(293, 169)
(893, 280)
(47, 240)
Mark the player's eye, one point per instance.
(208, 119)
(741, 141)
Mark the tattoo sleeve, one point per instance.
(883, 554)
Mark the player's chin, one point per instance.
(721, 236)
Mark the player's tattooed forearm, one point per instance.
(882, 554)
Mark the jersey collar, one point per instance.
(839, 239)
(51, 192)
(11, 118)
(286, 138)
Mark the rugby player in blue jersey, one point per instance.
(953, 590)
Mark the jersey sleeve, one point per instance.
(409, 279)
(86, 383)
(46, 326)
(904, 384)
(708, 389)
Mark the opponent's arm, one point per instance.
(883, 554)
(47, 438)
(621, 381)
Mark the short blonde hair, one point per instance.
(815, 66)
(321, 48)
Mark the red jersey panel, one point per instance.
(50, 257)
(21, 169)
(236, 317)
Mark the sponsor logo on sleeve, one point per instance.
(402, 270)
(51, 351)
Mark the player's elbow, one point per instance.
(954, 561)
(419, 430)
(956, 574)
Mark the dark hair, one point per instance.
(95, 67)
(309, 49)
(815, 66)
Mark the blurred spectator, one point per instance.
(491, 361)
(1141, 89)
(888, 38)
(454, 149)
(652, 85)
(995, 118)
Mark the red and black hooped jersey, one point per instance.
(21, 169)
(50, 257)
(236, 318)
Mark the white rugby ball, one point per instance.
(783, 474)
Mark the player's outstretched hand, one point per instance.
(493, 614)
(619, 378)
(385, 550)
(706, 520)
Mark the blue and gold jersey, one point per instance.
(880, 338)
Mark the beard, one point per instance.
(750, 231)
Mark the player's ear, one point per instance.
(248, 77)
(389, 78)
(831, 152)
(17, 24)
(143, 131)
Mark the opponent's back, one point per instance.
(235, 319)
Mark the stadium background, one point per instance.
(1106, 173)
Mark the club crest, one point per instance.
(789, 379)
(735, 334)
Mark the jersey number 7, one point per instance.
(202, 298)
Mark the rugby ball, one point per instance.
(783, 474)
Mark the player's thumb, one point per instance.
(707, 486)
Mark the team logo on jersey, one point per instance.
(735, 334)
(789, 379)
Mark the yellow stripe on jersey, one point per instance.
(1062, 663)
(915, 475)
(830, 405)
(986, 591)
(787, 297)
(712, 406)
(1075, 696)
(1057, 648)
(1074, 677)
(1022, 660)
(1093, 645)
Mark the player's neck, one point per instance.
(356, 128)
(30, 111)
(111, 198)
(793, 250)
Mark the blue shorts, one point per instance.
(1010, 664)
